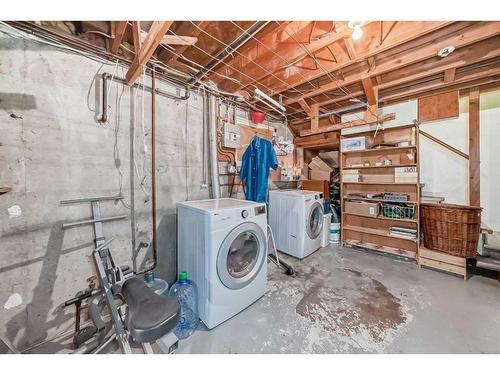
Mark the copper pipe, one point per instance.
(153, 164)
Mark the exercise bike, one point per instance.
(138, 315)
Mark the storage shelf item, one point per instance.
(390, 176)
(442, 262)
(394, 211)
(381, 217)
(451, 229)
(381, 149)
(381, 166)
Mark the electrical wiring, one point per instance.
(314, 87)
(210, 86)
(222, 62)
(290, 115)
(329, 74)
(239, 53)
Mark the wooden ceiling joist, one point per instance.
(148, 47)
(472, 34)
(368, 46)
(198, 29)
(449, 75)
(349, 124)
(370, 91)
(118, 31)
(179, 40)
(136, 35)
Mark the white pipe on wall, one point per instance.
(212, 134)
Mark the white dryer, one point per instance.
(222, 244)
(296, 218)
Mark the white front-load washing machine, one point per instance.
(296, 219)
(222, 244)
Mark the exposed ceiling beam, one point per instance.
(462, 81)
(305, 107)
(118, 31)
(148, 47)
(349, 124)
(477, 76)
(198, 29)
(370, 91)
(179, 40)
(449, 75)
(282, 47)
(349, 46)
(369, 45)
(136, 34)
(470, 35)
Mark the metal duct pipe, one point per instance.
(104, 116)
(212, 134)
(222, 55)
(154, 242)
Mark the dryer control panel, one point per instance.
(260, 210)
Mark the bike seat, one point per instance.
(149, 315)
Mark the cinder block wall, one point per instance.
(52, 148)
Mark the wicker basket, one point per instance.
(451, 228)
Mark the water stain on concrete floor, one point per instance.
(362, 303)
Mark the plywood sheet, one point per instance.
(437, 107)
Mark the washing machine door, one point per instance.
(314, 223)
(241, 255)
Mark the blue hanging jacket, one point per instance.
(257, 159)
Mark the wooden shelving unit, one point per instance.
(376, 170)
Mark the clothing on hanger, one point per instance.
(257, 159)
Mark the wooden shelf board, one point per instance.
(383, 218)
(379, 200)
(381, 183)
(385, 130)
(383, 249)
(382, 166)
(443, 262)
(381, 149)
(377, 232)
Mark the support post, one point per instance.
(474, 149)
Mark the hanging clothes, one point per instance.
(257, 159)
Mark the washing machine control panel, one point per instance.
(260, 210)
(244, 214)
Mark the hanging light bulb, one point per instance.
(357, 33)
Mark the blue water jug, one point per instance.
(187, 294)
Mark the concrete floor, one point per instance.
(344, 300)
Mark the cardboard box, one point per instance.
(318, 164)
(353, 144)
(316, 174)
(405, 171)
(315, 185)
(361, 208)
(378, 178)
(331, 158)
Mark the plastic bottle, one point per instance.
(159, 286)
(187, 294)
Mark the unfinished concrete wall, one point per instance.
(52, 148)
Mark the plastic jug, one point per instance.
(187, 294)
(159, 286)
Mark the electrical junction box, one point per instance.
(231, 137)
